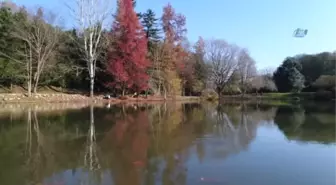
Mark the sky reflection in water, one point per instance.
(182, 144)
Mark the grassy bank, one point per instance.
(316, 96)
(288, 96)
(64, 97)
(280, 98)
(50, 94)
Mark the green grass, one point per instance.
(282, 96)
(302, 95)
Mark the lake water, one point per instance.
(168, 144)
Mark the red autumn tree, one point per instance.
(127, 61)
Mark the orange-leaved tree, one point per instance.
(174, 29)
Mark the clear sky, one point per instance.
(264, 27)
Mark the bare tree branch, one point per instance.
(223, 60)
(246, 70)
(90, 16)
(40, 38)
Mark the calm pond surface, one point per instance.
(169, 144)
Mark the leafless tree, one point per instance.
(246, 70)
(9, 4)
(257, 83)
(90, 17)
(263, 82)
(267, 75)
(223, 60)
(268, 71)
(39, 35)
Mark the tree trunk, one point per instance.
(123, 91)
(165, 93)
(29, 84)
(243, 93)
(35, 89)
(91, 86)
(36, 81)
(219, 94)
(92, 71)
(29, 73)
(183, 91)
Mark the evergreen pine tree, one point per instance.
(149, 22)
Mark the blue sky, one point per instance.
(264, 27)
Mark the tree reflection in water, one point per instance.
(310, 123)
(91, 161)
(233, 129)
(142, 144)
(39, 150)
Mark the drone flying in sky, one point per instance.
(300, 33)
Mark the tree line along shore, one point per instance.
(139, 55)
